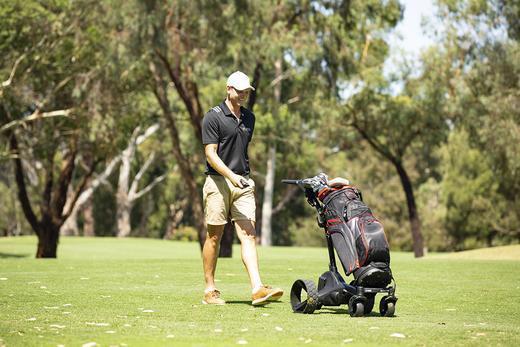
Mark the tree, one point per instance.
(484, 36)
(352, 59)
(469, 190)
(190, 55)
(57, 71)
(127, 193)
(70, 226)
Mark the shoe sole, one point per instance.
(276, 296)
(204, 302)
(267, 299)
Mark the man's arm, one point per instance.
(214, 160)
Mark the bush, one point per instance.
(185, 233)
(305, 232)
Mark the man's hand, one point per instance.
(238, 181)
(217, 163)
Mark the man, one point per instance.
(228, 191)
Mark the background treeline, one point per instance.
(101, 104)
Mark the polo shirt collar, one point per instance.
(227, 111)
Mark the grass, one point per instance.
(142, 292)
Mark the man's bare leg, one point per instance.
(247, 236)
(210, 254)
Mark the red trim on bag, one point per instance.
(334, 221)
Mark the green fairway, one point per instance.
(137, 292)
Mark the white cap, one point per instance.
(239, 81)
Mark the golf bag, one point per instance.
(358, 239)
(357, 236)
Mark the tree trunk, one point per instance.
(70, 227)
(123, 217)
(146, 211)
(415, 223)
(48, 240)
(160, 91)
(123, 183)
(267, 205)
(54, 197)
(226, 244)
(84, 201)
(175, 215)
(88, 218)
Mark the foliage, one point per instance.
(185, 233)
(469, 191)
(451, 125)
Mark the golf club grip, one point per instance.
(290, 181)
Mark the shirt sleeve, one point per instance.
(210, 129)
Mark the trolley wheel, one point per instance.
(369, 305)
(356, 306)
(308, 304)
(387, 306)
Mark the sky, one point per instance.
(413, 38)
(409, 36)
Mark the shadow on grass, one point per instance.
(11, 255)
(345, 311)
(248, 303)
(331, 311)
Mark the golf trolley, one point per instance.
(332, 290)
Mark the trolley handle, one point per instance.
(305, 183)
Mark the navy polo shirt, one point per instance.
(232, 135)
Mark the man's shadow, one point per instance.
(248, 302)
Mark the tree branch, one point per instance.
(189, 95)
(59, 195)
(376, 145)
(149, 187)
(137, 178)
(34, 116)
(72, 206)
(148, 132)
(290, 193)
(8, 82)
(380, 148)
(22, 191)
(78, 192)
(256, 82)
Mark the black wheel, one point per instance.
(308, 304)
(369, 305)
(356, 307)
(387, 306)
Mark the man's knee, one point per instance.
(245, 229)
(215, 232)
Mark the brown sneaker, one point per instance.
(266, 294)
(213, 298)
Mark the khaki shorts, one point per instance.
(222, 200)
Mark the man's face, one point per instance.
(238, 96)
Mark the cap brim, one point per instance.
(241, 88)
